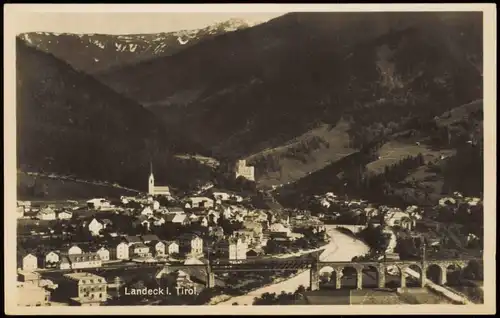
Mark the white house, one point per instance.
(47, 214)
(51, 258)
(122, 251)
(191, 244)
(159, 248)
(171, 247)
(156, 205)
(140, 250)
(204, 221)
(95, 227)
(399, 218)
(233, 248)
(177, 218)
(74, 250)
(98, 203)
(147, 211)
(201, 202)
(30, 262)
(85, 260)
(65, 215)
(103, 254)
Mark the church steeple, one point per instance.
(151, 180)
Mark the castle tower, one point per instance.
(151, 181)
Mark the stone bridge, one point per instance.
(336, 269)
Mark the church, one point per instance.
(154, 189)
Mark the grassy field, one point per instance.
(393, 151)
(60, 189)
(336, 146)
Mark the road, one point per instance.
(340, 248)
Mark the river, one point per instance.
(340, 248)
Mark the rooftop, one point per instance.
(85, 276)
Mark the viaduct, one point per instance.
(336, 269)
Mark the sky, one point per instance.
(128, 22)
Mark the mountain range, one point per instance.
(302, 92)
(92, 53)
(71, 124)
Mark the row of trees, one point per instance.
(283, 298)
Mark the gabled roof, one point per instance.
(150, 237)
(132, 239)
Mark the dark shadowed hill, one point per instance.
(69, 123)
(93, 53)
(273, 91)
(425, 161)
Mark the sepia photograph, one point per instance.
(227, 157)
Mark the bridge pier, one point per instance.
(210, 278)
(338, 279)
(403, 279)
(314, 278)
(442, 277)
(381, 278)
(359, 278)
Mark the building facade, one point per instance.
(247, 172)
(85, 289)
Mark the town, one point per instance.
(89, 252)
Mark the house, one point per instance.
(158, 247)
(122, 251)
(104, 254)
(171, 247)
(98, 203)
(176, 279)
(64, 262)
(396, 217)
(19, 212)
(65, 215)
(74, 250)
(30, 263)
(84, 260)
(158, 221)
(46, 214)
(216, 231)
(232, 248)
(221, 195)
(175, 210)
(95, 227)
(131, 240)
(31, 294)
(279, 228)
(201, 202)
(147, 211)
(84, 289)
(156, 205)
(176, 218)
(191, 244)
(106, 222)
(146, 239)
(204, 221)
(139, 250)
(51, 259)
